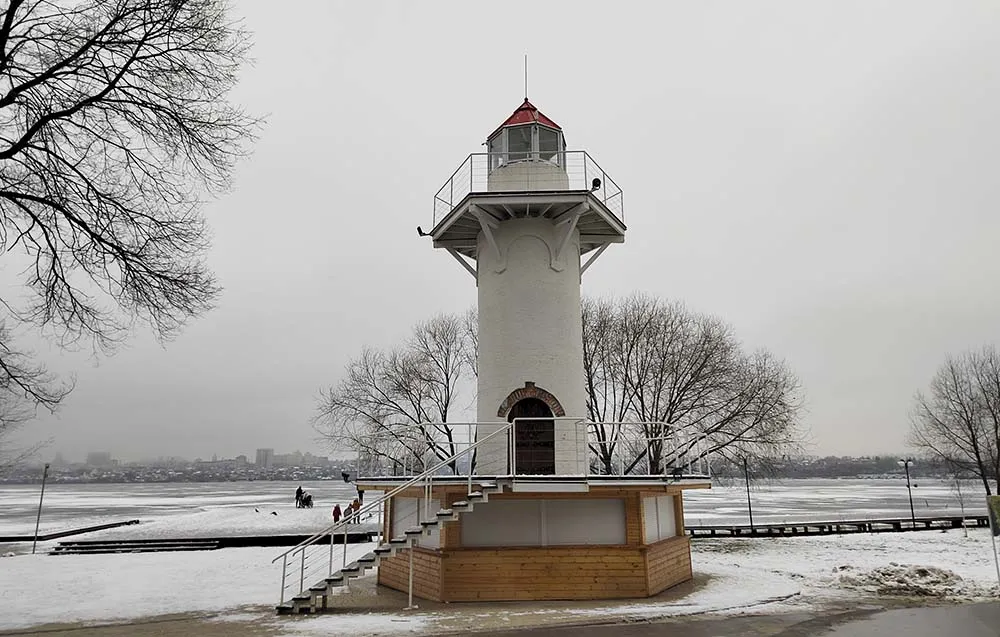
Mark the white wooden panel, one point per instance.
(433, 540)
(665, 516)
(404, 515)
(503, 523)
(650, 521)
(591, 521)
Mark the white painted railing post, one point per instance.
(284, 570)
(331, 554)
(513, 448)
(302, 571)
(409, 587)
(427, 500)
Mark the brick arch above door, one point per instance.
(530, 391)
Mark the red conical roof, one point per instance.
(526, 113)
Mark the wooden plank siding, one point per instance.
(667, 563)
(632, 570)
(394, 572)
(543, 573)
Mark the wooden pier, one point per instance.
(838, 527)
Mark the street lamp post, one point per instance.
(905, 463)
(746, 475)
(38, 518)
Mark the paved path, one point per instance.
(973, 620)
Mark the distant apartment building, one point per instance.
(299, 459)
(265, 458)
(101, 459)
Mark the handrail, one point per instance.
(406, 485)
(472, 176)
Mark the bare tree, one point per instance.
(685, 383)
(665, 387)
(24, 386)
(114, 126)
(470, 327)
(958, 419)
(396, 405)
(606, 352)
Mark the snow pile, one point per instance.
(909, 580)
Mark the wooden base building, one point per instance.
(541, 540)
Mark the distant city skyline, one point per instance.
(252, 458)
(98, 457)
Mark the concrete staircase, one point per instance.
(316, 598)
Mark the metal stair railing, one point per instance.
(426, 476)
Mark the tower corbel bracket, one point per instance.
(465, 264)
(566, 224)
(488, 223)
(593, 258)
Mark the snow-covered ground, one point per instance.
(759, 574)
(283, 519)
(76, 505)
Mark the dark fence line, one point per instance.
(838, 527)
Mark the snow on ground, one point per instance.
(739, 574)
(118, 586)
(231, 522)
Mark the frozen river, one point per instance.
(72, 505)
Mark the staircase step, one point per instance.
(335, 580)
(303, 603)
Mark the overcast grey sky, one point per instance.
(822, 175)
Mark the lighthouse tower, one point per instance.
(526, 511)
(519, 218)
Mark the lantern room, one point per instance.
(527, 135)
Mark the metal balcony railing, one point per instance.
(472, 176)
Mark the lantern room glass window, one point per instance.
(519, 144)
(496, 152)
(525, 143)
(548, 145)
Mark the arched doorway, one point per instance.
(534, 440)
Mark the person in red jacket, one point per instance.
(336, 513)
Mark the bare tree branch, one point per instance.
(958, 419)
(397, 405)
(114, 128)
